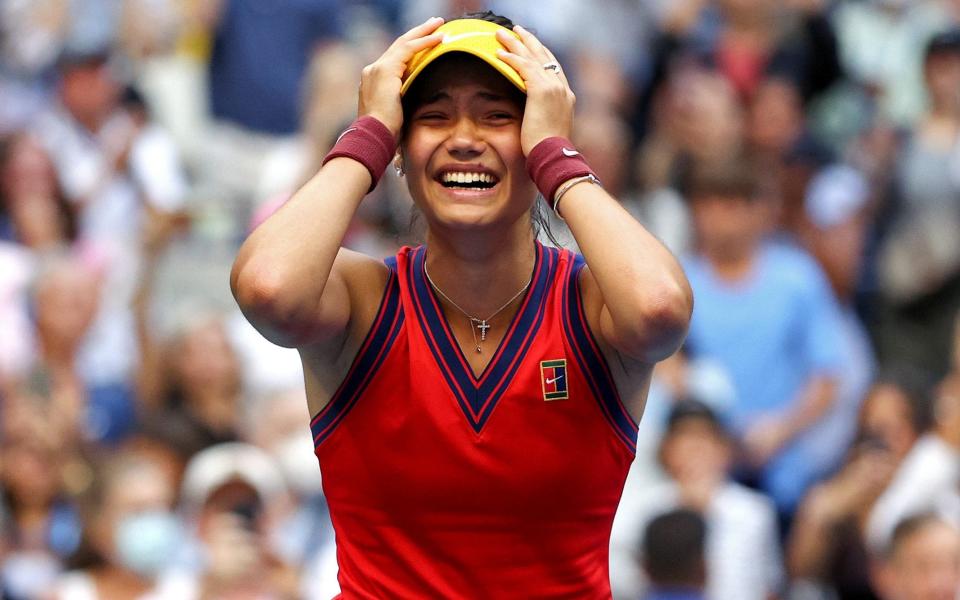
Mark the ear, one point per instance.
(398, 164)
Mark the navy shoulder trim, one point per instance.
(386, 326)
(594, 365)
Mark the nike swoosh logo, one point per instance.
(449, 39)
(345, 133)
(554, 380)
(569, 152)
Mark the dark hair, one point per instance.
(917, 386)
(945, 42)
(735, 177)
(488, 15)
(689, 409)
(673, 549)
(67, 211)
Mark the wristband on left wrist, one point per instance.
(554, 162)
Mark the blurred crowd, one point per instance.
(802, 157)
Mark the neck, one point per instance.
(731, 266)
(480, 275)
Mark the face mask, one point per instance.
(145, 542)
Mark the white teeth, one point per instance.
(463, 177)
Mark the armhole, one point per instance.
(590, 358)
(374, 349)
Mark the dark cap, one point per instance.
(83, 56)
(945, 42)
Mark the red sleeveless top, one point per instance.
(444, 485)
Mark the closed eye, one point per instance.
(431, 116)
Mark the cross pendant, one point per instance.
(483, 327)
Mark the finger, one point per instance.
(403, 52)
(513, 44)
(526, 67)
(519, 49)
(531, 70)
(562, 73)
(421, 30)
(531, 41)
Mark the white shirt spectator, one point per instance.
(742, 553)
(925, 481)
(112, 216)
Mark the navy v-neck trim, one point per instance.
(478, 396)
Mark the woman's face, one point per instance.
(461, 152)
(205, 360)
(886, 417)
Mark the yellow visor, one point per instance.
(473, 36)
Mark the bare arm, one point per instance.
(291, 278)
(768, 436)
(645, 297)
(647, 301)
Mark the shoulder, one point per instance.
(787, 264)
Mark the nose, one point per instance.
(465, 139)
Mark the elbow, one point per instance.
(259, 291)
(659, 324)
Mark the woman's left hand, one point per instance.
(549, 109)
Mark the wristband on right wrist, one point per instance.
(369, 142)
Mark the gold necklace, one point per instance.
(475, 322)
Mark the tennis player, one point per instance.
(476, 398)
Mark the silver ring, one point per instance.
(552, 66)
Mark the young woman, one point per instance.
(475, 398)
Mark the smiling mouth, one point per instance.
(459, 180)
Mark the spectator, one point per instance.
(827, 554)
(42, 526)
(117, 174)
(34, 211)
(919, 261)
(742, 553)
(673, 556)
(35, 219)
(923, 562)
(192, 392)
(259, 57)
(233, 495)
(744, 40)
(65, 304)
(131, 535)
(881, 45)
(929, 476)
(766, 314)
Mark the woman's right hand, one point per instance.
(380, 81)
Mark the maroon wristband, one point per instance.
(553, 161)
(370, 143)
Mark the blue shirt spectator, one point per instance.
(772, 331)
